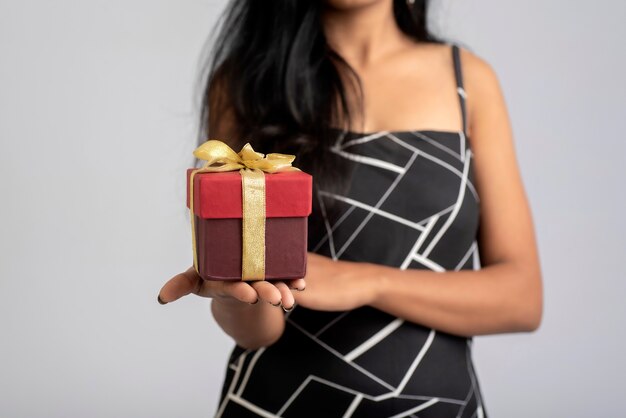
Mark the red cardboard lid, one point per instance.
(218, 195)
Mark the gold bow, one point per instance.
(252, 166)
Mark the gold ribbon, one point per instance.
(252, 166)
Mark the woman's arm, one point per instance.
(252, 325)
(506, 294)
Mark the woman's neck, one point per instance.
(363, 35)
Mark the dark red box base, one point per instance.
(219, 245)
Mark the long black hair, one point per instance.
(273, 76)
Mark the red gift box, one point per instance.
(218, 223)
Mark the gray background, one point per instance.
(97, 127)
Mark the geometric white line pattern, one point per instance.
(372, 209)
(455, 211)
(411, 204)
(378, 204)
(378, 337)
(416, 409)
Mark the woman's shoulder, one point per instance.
(478, 72)
(476, 69)
(483, 90)
(480, 80)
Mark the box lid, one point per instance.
(218, 194)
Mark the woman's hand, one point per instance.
(336, 285)
(250, 326)
(276, 293)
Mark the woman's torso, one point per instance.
(411, 204)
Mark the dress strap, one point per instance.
(458, 74)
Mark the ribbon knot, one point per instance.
(217, 152)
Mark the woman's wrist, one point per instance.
(250, 325)
(371, 279)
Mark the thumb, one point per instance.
(180, 285)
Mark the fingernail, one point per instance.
(255, 302)
(289, 309)
(298, 289)
(280, 302)
(160, 300)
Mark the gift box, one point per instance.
(260, 222)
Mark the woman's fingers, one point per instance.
(286, 296)
(296, 284)
(180, 285)
(273, 292)
(267, 291)
(190, 282)
(239, 290)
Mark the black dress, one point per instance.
(412, 205)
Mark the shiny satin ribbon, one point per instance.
(252, 166)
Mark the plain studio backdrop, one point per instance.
(97, 127)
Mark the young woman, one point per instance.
(421, 235)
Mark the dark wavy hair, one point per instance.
(271, 70)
